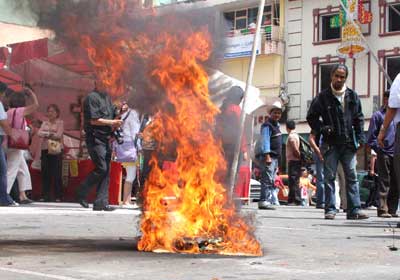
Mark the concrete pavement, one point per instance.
(65, 241)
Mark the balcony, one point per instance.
(239, 42)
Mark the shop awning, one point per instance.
(11, 79)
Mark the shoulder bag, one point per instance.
(21, 141)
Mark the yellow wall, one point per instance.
(269, 69)
(267, 72)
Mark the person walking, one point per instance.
(52, 132)
(17, 168)
(269, 155)
(293, 158)
(392, 118)
(336, 113)
(99, 122)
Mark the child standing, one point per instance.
(307, 189)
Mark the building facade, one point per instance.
(312, 45)
(238, 18)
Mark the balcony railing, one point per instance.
(272, 39)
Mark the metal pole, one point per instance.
(383, 70)
(250, 73)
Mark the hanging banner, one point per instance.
(240, 46)
(352, 45)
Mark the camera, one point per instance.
(119, 135)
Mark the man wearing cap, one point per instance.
(388, 194)
(336, 113)
(5, 129)
(269, 155)
(393, 115)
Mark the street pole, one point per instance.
(383, 70)
(235, 163)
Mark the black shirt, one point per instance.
(98, 105)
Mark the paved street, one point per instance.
(63, 241)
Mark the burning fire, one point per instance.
(186, 207)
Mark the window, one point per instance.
(393, 18)
(321, 72)
(389, 17)
(391, 59)
(328, 32)
(393, 68)
(324, 33)
(241, 19)
(325, 75)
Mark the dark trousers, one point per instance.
(294, 179)
(51, 168)
(387, 185)
(100, 154)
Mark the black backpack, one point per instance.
(306, 153)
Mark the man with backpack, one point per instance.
(336, 113)
(293, 158)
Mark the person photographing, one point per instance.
(99, 123)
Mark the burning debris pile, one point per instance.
(186, 208)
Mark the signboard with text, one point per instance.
(240, 46)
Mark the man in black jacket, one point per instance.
(99, 122)
(336, 113)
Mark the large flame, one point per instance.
(186, 207)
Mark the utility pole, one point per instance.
(249, 81)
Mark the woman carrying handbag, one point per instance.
(126, 152)
(17, 168)
(52, 132)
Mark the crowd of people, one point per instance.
(337, 133)
(335, 117)
(102, 120)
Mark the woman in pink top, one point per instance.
(51, 165)
(17, 167)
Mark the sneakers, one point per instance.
(360, 215)
(11, 204)
(264, 205)
(130, 206)
(330, 216)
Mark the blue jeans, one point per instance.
(4, 196)
(268, 173)
(319, 174)
(347, 156)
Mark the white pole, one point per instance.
(235, 163)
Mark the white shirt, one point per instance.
(394, 98)
(3, 116)
(131, 125)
